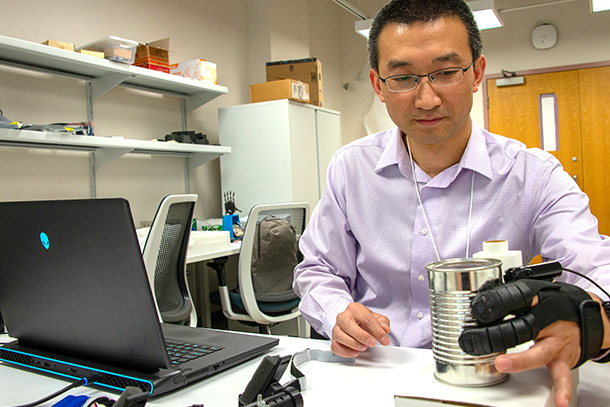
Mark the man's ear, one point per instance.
(376, 84)
(479, 72)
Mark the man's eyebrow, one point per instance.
(399, 63)
(453, 56)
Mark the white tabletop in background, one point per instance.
(196, 255)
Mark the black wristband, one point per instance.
(606, 359)
(591, 337)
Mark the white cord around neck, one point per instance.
(438, 257)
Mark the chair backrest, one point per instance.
(269, 253)
(165, 257)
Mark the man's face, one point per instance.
(428, 114)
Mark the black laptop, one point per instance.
(75, 294)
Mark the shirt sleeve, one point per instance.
(564, 229)
(325, 277)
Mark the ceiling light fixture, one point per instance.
(351, 8)
(600, 5)
(486, 14)
(363, 27)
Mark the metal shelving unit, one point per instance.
(104, 150)
(101, 76)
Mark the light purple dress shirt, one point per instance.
(367, 240)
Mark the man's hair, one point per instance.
(413, 11)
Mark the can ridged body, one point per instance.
(453, 283)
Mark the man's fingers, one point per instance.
(539, 355)
(341, 350)
(559, 370)
(362, 324)
(557, 348)
(562, 381)
(558, 343)
(346, 339)
(384, 322)
(357, 329)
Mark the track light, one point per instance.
(363, 27)
(600, 5)
(486, 14)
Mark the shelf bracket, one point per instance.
(98, 87)
(193, 102)
(187, 177)
(105, 155)
(197, 160)
(101, 157)
(197, 100)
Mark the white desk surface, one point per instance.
(373, 380)
(194, 256)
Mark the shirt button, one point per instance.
(420, 315)
(420, 278)
(424, 231)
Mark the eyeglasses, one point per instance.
(441, 77)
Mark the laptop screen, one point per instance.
(73, 282)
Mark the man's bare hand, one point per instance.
(357, 329)
(558, 348)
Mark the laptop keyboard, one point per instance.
(185, 352)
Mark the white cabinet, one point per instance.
(279, 151)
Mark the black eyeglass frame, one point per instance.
(429, 75)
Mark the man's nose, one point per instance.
(426, 98)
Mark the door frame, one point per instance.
(531, 72)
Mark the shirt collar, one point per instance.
(475, 158)
(476, 155)
(394, 153)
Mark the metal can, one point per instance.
(453, 283)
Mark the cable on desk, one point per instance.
(82, 382)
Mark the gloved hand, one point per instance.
(556, 301)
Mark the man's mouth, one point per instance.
(429, 122)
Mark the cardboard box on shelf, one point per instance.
(282, 89)
(58, 44)
(114, 48)
(307, 70)
(198, 69)
(153, 55)
(97, 54)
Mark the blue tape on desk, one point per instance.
(72, 401)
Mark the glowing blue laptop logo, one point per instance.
(44, 239)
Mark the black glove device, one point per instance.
(557, 301)
(264, 388)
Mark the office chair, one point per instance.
(268, 255)
(164, 256)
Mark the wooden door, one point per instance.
(595, 119)
(582, 122)
(514, 111)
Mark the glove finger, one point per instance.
(500, 337)
(495, 304)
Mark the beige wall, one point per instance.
(212, 30)
(582, 38)
(240, 36)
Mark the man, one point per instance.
(435, 188)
